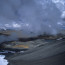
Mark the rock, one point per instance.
(51, 53)
(23, 45)
(26, 43)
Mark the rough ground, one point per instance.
(52, 53)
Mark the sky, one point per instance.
(32, 17)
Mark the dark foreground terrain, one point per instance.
(58, 59)
(51, 53)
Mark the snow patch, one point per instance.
(2, 60)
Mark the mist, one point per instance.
(32, 17)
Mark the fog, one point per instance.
(32, 17)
